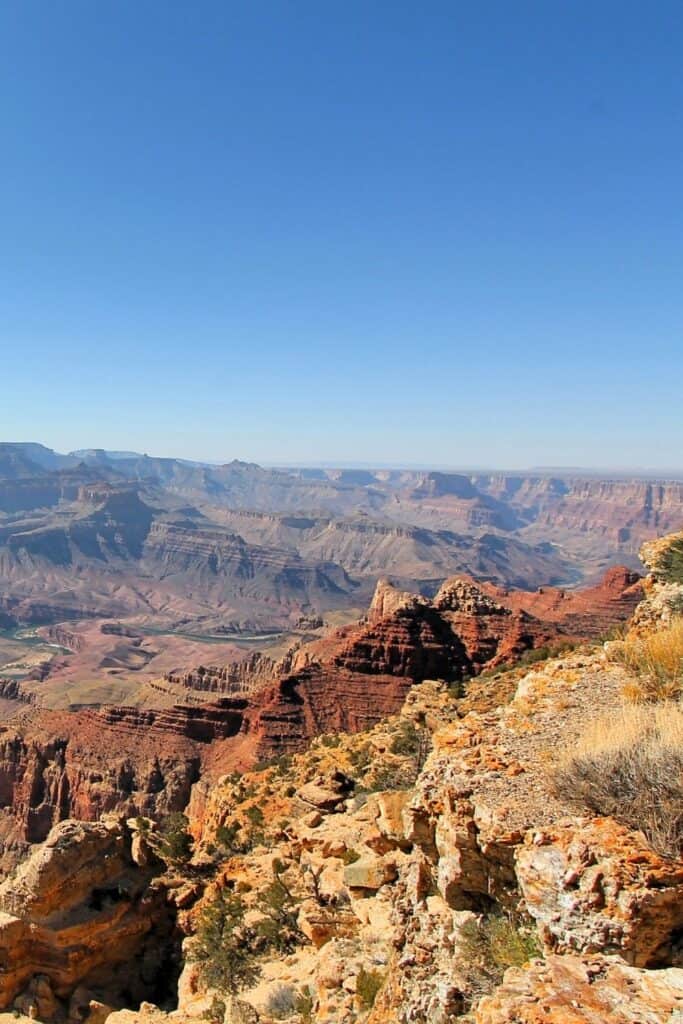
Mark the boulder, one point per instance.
(369, 873)
(598, 887)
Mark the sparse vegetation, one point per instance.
(278, 927)
(630, 766)
(368, 984)
(389, 777)
(227, 837)
(656, 661)
(304, 1006)
(670, 563)
(176, 843)
(407, 739)
(531, 657)
(223, 945)
(228, 950)
(254, 814)
(281, 1001)
(491, 944)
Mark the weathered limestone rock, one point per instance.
(584, 990)
(600, 888)
(369, 873)
(326, 793)
(78, 910)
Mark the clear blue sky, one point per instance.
(400, 232)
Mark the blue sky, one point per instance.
(439, 233)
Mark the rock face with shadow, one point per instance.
(81, 914)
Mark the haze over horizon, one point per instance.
(670, 472)
(445, 236)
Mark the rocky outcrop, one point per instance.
(584, 990)
(11, 689)
(589, 612)
(238, 677)
(663, 585)
(596, 887)
(83, 769)
(79, 913)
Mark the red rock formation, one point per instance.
(64, 764)
(590, 612)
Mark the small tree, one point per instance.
(223, 945)
(227, 836)
(176, 842)
(278, 928)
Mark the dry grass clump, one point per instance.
(630, 767)
(656, 661)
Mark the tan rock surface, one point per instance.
(584, 990)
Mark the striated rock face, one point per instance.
(238, 677)
(588, 612)
(624, 512)
(85, 769)
(357, 674)
(79, 911)
(584, 990)
(11, 689)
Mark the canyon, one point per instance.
(57, 763)
(387, 793)
(239, 549)
(364, 676)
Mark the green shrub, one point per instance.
(391, 777)
(278, 927)
(254, 814)
(491, 944)
(361, 757)
(303, 1005)
(176, 842)
(227, 836)
(670, 563)
(223, 945)
(407, 739)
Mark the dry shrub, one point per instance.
(368, 984)
(630, 767)
(656, 660)
(491, 944)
